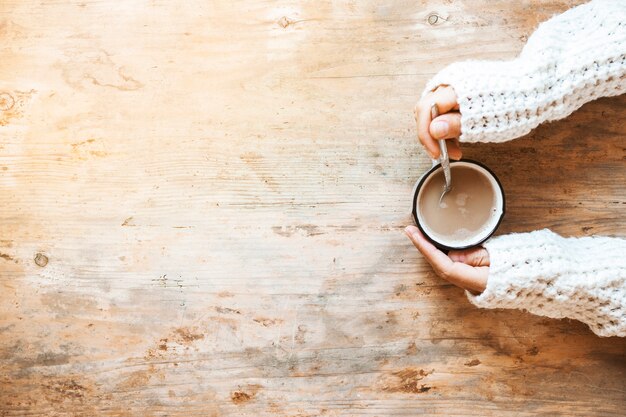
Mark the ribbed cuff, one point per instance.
(552, 276)
(571, 59)
(491, 98)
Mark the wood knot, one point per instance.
(41, 260)
(284, 22)
(6, 101)
(434, 18)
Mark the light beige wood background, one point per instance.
(203, 204)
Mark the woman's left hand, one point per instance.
(468, 269)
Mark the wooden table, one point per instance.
(203, 204)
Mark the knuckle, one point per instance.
(480, 258)
(457, 120)
(474, 256)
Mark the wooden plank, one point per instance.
(203, 206)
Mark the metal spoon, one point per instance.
(444, 160)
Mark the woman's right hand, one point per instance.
(446, 126)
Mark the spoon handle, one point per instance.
(444, 160)
(445, 163)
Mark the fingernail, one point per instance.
(411, 231)
(439, 129)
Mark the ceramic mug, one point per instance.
(489, 227)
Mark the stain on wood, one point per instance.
(203, 204)
(407, 381)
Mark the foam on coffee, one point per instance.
(468, 213)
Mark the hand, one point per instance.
(468, 269)
(446, 126)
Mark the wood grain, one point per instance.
(202, 213)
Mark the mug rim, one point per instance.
(418, 187)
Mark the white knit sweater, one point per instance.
(571, 59)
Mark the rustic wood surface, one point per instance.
(203, 204)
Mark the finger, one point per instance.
(445, 97)
(446, 126)
(468, 277)
(473, 257)
(462, 275)
(454, 149)
(434, 256)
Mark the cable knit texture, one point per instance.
(571, 59)
(546, 274)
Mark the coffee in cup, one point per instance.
(468, 214)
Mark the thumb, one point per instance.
(458, 273)
(474, 257)
(446, 126)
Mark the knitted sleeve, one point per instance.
(546, 274)
(571, 59)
